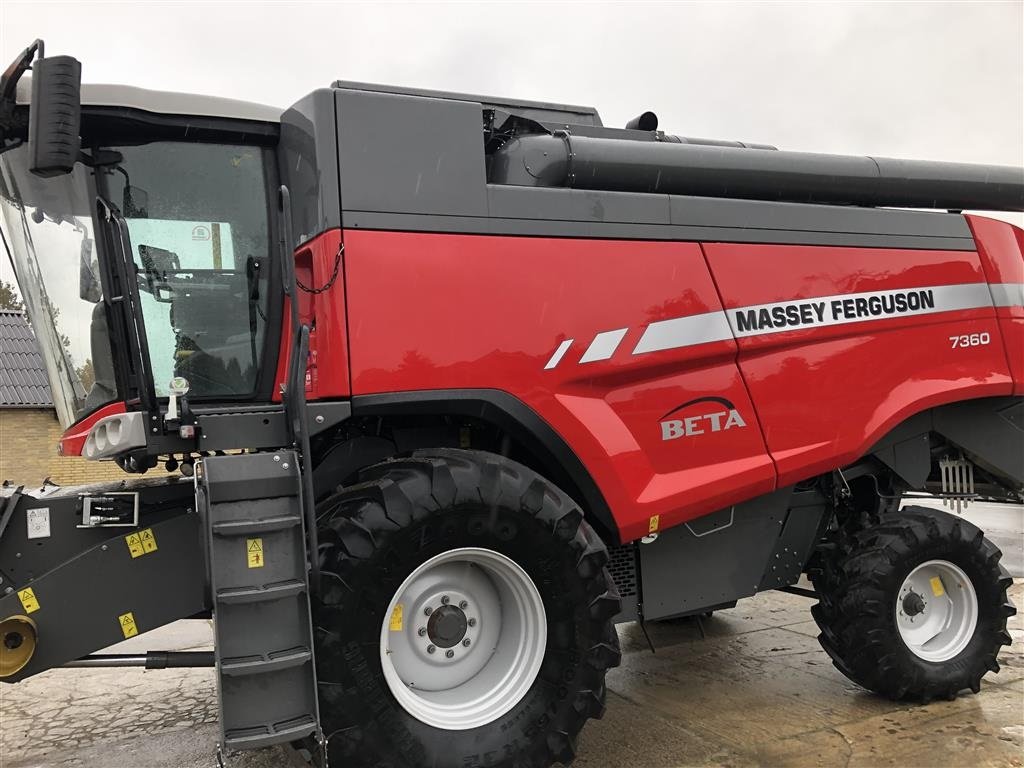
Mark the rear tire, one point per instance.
(405, 518)
(914, 607)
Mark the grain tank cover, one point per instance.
(540, 111)
(542, 144)
(361, 156)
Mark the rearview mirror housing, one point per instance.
(55, 115)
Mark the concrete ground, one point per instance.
(758, 690)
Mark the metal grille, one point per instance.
(957, 483)
(622, 567)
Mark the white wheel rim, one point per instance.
(936, 610)
(467, 641)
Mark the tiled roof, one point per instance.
(23, 382)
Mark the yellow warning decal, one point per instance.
(652, 527)
(148, 540)
(127, 621)
(28, 600)
(937, 589)
(396, 619)
(254, 552)
(134, 542)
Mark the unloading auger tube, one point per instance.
(671, 165)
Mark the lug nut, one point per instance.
(463, 605)
(445, 600)
(449, 653)
(422, 631)
(472, 622)
(427, 611)
(431, 649)
(465, 643)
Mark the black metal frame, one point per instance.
(129, 346)
(295, 389)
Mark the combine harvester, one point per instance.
(453, 384)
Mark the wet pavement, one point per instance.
(760, 691)
(756, 690)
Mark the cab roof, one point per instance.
(163, 102)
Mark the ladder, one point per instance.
(256, 553)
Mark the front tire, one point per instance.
(500, 558)
(915, 606)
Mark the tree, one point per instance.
(9, 297)
(86, 375)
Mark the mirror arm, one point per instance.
(18, 67)
(9, 88)
(101, 158)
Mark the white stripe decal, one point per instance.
(1008, 294)
(844, 308)
(799, 314)
(559, 354)
(684, 332)
(604, 345)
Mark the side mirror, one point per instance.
(55, 115)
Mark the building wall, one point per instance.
(28, 452)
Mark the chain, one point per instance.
(334, 275)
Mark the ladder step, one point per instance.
(259, 594)
(264, 736)
(266, 525)
(271, 662)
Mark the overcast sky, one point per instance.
(940, 81)
(923, 80)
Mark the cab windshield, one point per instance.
(197, 218)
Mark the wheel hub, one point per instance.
(936, 610)
(913, 604)
(447, 626)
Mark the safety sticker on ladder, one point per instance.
(254, 552)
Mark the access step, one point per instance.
(266, 735)
(257, 594)
(270, 662)
(246, 527)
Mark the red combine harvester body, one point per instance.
(457, 383)
(686, 376)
